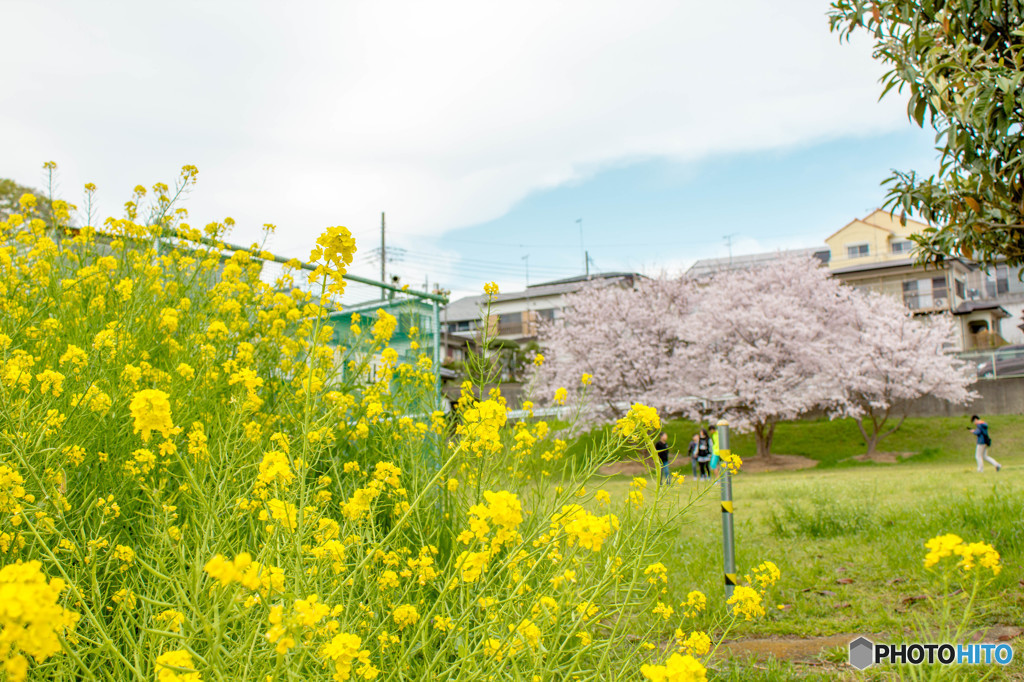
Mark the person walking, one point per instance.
(713, 431)
(704, 455)
(984, 441)
(693, 455)
(661, 447)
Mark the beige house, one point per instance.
(877, 238)
(875, 253)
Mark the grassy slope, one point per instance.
(831, 442)
(865, 524)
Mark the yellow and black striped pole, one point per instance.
(728, 538)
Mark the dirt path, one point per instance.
(789, 648)
(882, 457)
(811, 649)
(681, 464)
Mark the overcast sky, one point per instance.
(474, 125)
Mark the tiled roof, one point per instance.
(468, 308)
(707, 266)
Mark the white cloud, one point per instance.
(443, 114)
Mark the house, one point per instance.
(517, 316)
(876, 253)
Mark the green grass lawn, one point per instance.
(833, 442)
(850, 540)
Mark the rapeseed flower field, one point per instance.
(200, 480)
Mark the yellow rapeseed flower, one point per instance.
(176, 666)
(695, 603)
(405, 615)
(746, 602)
(31, 619)
(344, 652)
(638, 422)
(678, 668)
(587, 530)
(697, 643)
(151, 411)
(384, 326)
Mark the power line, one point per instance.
(460, 262)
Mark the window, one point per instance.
(1002, 280)
(961, 291)
(902, 246)
(910, 298)
(996, 281)
(857, 250)
(939, 293)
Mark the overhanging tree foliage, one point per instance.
(961, 64)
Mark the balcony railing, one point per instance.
(937, 300)
(517, 329)
(999, 363)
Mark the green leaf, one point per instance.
(919, 111)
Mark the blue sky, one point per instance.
(657, 215)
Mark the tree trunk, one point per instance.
(877, 425)
(764, 434)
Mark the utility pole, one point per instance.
(526, 259)
(728, 245)
(383, 253)
(587, 257)
(579, 221)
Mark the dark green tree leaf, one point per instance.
(961, 65)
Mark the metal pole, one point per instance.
(383, 254)
(264, 255)
(728, 537)
(437, 348)
(579, 221)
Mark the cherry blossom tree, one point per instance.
(890, 359)
(622, 336)
(756, 346)
(762, 340)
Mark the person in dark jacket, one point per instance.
(693, 455)
(661, 447)
(984, 441)
(704, 455)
